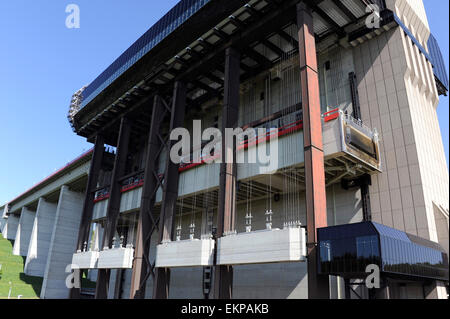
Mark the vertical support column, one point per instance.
(170, 192)
(112, 216)
(88, 206)
(316, 211)
(40, 238)
(62, 244)
(146, 223)
(355, 96)
(365, 180)
(10, 229)
(348, 294)
(223, 277)
(4, 220)
(435, 290)
(365, 197)
(23, 233)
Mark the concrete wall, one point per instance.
(10, 228)
(413, 15)
(442, 227)
(398, 95)
(24, 230)
(40, 238)
(2, 224)
(62, 244)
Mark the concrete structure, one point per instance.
(23, 233)
(44, 222)
(386, 79)
(40, 238)
(357, 140)
(65, 230)
(10, 227)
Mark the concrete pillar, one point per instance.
(41, 236)
(436, 290)
(23, 233)
(2, 224)
(316, 210)
(62, 245)
(10, 229)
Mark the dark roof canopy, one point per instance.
(348, 249)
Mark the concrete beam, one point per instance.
(23, 233)
(63, 244)
(41, 236)
(66, 179)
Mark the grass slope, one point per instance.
(12, 271)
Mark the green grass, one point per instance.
(12, 271)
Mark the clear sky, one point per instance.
(42, 63)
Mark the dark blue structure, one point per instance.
(348, 249)
(167, 24)
(438, 63)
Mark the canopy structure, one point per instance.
(348, 249)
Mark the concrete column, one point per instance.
(3, 224)
(10, 229)
(435, 291)
(23, 233)
(41, 236)
(63, 244)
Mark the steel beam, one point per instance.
(365, 181)
(223, 277)
(316, 210)
(88, 206)
(113, 209)
(147, 219)
(170, 191)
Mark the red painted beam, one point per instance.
(316, 208)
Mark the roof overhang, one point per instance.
(263, 30)
(347, 250)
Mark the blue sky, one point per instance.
(42, 63)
